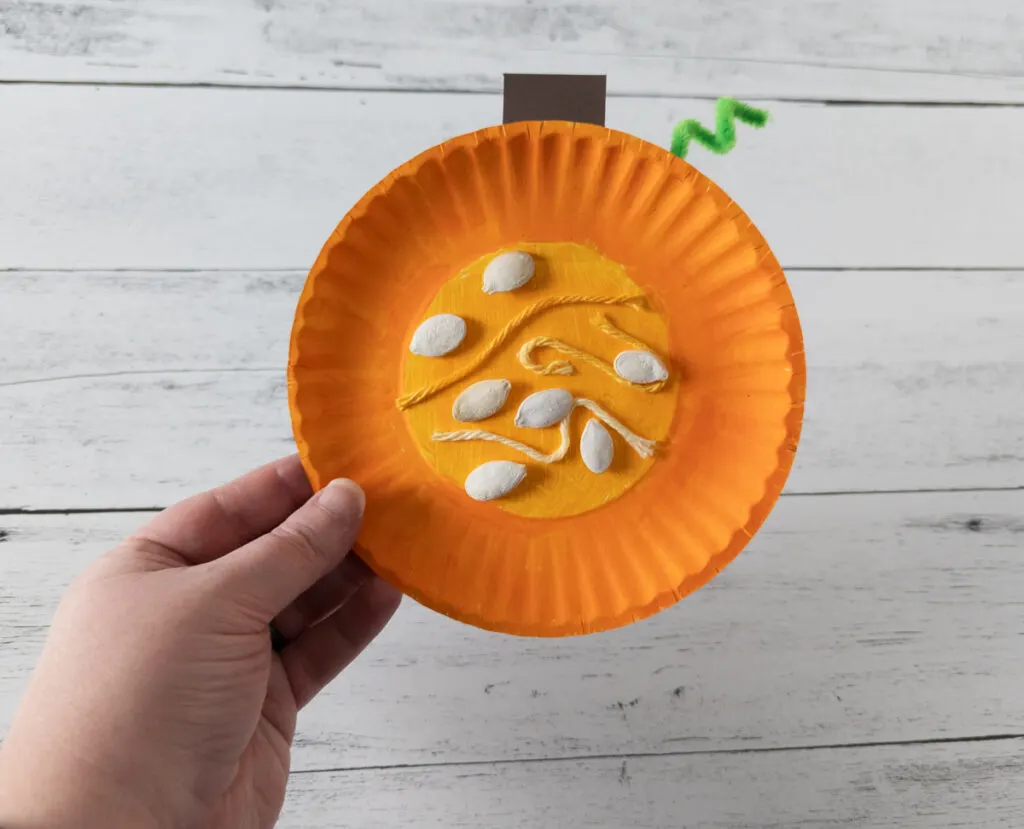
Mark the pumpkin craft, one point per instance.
(565, 367)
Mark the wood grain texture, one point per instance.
(134, 390)
(911, 787)
(850, 619)
(187, 178)
(873, 49)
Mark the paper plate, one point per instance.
(625, 238)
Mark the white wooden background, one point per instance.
(169, 169)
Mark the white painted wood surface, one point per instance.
(210, 178)
(149, 386)
(850, 619)
(944, 50)
(876, 622)
(975, 785)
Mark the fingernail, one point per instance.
(344, 498)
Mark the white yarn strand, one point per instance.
(529, 451)
(642, 446)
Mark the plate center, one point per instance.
(571, 327)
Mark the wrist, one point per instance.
(88, 816)
(33, 800)
(62, 812)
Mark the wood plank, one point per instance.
(912, 787)
(851, 619)
(201, 178)
(150, 386)
(920, 50)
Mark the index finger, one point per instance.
(213, 523)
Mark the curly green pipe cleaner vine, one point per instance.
(727, 112)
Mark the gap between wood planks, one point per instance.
(826, 494)
(423, 90)
(518, 761)
(144, 373)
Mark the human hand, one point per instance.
(158, 700)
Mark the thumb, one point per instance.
(271, 572)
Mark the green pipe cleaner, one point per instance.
(723, 139)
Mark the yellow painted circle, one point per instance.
(566, 487)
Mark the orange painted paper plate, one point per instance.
(566, 369)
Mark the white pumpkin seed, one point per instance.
(493, 479)
(438, 335)
(544, 408)
(481, 400)
(640, 367)
(508, 271)
(596, 447)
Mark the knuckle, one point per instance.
(302, 542)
